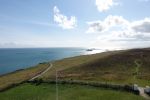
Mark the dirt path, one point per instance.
(50, 66)
(141, 89)
(143, 94)
(137, 69)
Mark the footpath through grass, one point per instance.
(65, 92)
(18, 77)
(137, 69)
(118, 67)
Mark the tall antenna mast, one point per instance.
(56, 85)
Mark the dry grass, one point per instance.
(20, 76)
(72, 62)
(114, 67)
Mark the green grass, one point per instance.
(65, 92)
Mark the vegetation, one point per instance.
(12, 79)
(68, 63)
(65, 92)
(113, 67)
(123, 67)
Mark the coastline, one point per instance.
(34, 66)
(24, 75)
(13, 59)
(18, 77)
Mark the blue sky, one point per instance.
(74, 23)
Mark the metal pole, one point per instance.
(56, 86)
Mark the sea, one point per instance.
(12, 59)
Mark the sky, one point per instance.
(109, 24)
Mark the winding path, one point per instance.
(141, 89)
(143, 94)
(138, 65)
(40, 74)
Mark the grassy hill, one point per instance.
(125, 67)
(17, 77)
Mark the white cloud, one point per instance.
(103, 5)
(144, 0)
(63, 21)
(108, 23)
(142, 25)
(118, 29)
(95, 26)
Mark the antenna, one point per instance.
(56, 85)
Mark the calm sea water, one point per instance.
(14, 59)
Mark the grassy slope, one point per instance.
(114, 67)
(66, 92)
(20, 76)
(73, 62)
(131, 66)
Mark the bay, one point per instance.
(12, 59)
